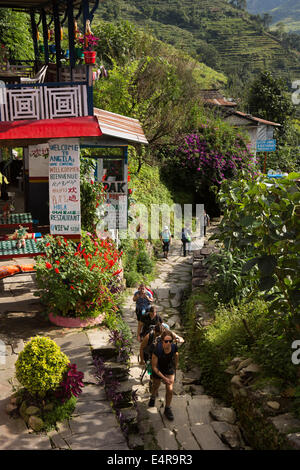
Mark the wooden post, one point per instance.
(45, 37)
(34, 38)
(265, 164)
(57, 39)
(71, 32)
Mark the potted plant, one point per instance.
(76, 281)
(89, 42)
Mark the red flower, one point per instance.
(56, 270)
(111, 263)
(128, 178)
(57, 262)
(130, 191)
(48, 265)
(117, 272)
(71, 287)
(48, 244)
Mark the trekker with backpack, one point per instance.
(148, 343)
(186, 239)
(151, 339)
(165, 237)
(146, 321)
(164, 365)
(143, 298)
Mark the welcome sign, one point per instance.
(64, 187)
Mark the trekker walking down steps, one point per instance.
(164, 365)
(165, 237)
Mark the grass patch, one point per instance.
(60, 412)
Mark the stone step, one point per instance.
(199, 407)
(100, 345)
(207, 438)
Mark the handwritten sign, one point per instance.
(39, 160)
(64, 187)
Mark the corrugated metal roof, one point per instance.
(123, 127)
(214, 96)
(256, 119)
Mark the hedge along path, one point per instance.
(191, 428)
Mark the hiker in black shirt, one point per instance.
(164, 365)
(146, 321)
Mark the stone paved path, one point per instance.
(94, 424)
(193, 427)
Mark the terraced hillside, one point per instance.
(214, 32)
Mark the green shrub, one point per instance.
(144, 263)
(60, 412)
(132, 278)
(40, 366)
(248, 329)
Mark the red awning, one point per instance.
(43, 130)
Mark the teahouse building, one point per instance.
(51, 111)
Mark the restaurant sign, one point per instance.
(64, 187)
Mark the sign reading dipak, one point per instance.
(116, 187)
(266, 145)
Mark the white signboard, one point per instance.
(64, 187)
(38, 160)
(116, 207)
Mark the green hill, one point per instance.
(288, 13)
(259, 6)
(223, 37)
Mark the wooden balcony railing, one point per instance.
(43, 101)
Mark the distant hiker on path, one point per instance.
(206, 222)
(165, 237)
(186, 239)
(164, 365)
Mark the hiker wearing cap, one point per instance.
(164, 365)
(165, 237)
(142, 298)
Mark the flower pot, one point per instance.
(79, 53)
(90, 57)
(74, 322)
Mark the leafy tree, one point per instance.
(269, 99)
(240, 4)
(15, 34)
(264, 218)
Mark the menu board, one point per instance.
(64, 187)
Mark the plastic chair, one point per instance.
(38, 78)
